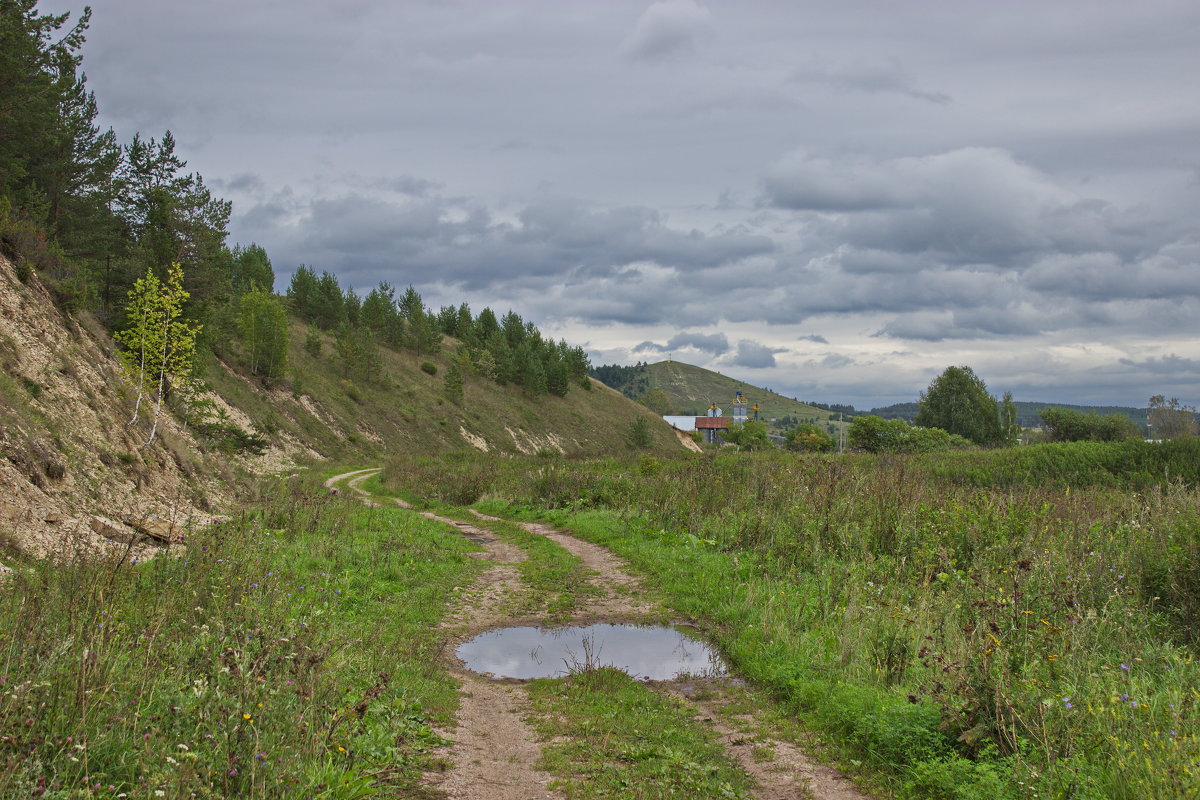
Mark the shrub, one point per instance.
(1067, 425)
(429, 368)
(877, 435)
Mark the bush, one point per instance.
(1130, 464)
(808, 438)
(877, 435)
(956, 779)
(638, 436)
(1067, 425)
(229, 438)
(312, 342)
(429, 368)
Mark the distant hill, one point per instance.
(1027, 412)
(691, 389)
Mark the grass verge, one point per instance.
(612, 737)
(290, 652)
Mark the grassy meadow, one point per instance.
(290, 652)
(960, 627)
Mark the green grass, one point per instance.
(612, 737)
(405, 411)
(556, 583)
(290, 652)
(957, 641)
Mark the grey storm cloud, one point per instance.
(953, 177)
(1170, 364)
(754, 355)
(714, 344)
(366, 237)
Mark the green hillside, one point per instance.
(692, 389)
(407, 409)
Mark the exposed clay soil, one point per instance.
(494, 751)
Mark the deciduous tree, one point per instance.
(159, 343)
(263, 325)
(958, 402)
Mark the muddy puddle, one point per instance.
(644, 652)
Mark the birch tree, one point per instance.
(159, 344)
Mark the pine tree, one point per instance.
(453, 384)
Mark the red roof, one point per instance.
(712, 423)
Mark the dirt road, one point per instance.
(494, 752)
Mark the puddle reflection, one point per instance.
(642, 651)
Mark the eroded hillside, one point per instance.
(72, 467)
(77, 474)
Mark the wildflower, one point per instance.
(1125, 667)
(1067, 702)
(245, 716)
(182, 746)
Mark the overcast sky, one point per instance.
(835, 200)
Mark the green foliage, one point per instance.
(1170, 419)
(359, 354)
(1010, 429)
(659, 402)
(229, 438)
(256, 633)
(1066, 425)
(957, 402)
(612, 737)
(453, 385)
(749, 436)
(159, 344)
(633, 382)
(251, 268)
(808, 438)
(638, 435)
(313, 342)
(93, 215)
(263, 325)
(1035, 638)
(1131, 464)
(429, 368)
(876, 435)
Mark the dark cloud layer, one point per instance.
(1009, 185)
